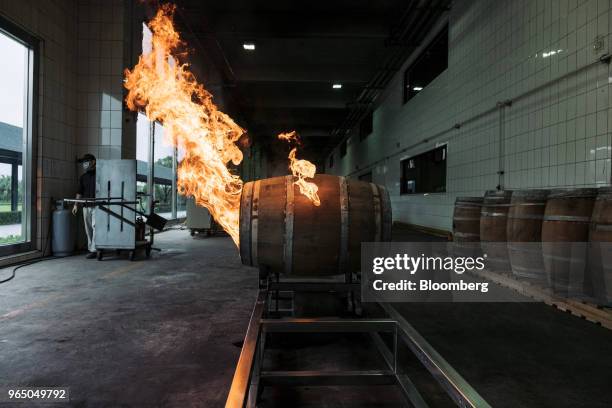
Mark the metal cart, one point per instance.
(138, 226)
(199, 220)
(119, 224)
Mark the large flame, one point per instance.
(301, 170)
(168, 92)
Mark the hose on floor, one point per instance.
(42, 255)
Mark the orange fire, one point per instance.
(168, 92)
(301, 170)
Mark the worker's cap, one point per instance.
(86, 157)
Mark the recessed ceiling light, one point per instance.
(248, 46)
(417, 88)
(337, 86)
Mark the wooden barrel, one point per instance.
(493, 219)
(524, 232)
(466, 219)
(600, 247)
(466, 226)
(283, 231)
(565, 232)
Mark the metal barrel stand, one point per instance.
(267, 317)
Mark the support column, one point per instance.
(151, 175)
(174, 175)
(14, 186)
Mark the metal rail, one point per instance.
(249, 377)
(103, 201)
(239, 392)
(455, 385)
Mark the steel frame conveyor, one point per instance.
(249, 378)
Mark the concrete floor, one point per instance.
(159, 333)
(516, 354)
(149, 333)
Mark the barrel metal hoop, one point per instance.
(572, 218)
(493, 214)
(377, 212)
(602, 227)
(526, 269)
(519, 247)
(525, 217)
(466, 219)
(466, 234)
(288, 241)
(565, 258)
(344, 225)
(245, 224)
(255, 222)
(541, 204)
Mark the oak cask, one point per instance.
(282, 230)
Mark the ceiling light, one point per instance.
(248, 46)
(417, 88)
(337, 86)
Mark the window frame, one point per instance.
(366, 126)
(403, 176)
(343, 148)
(30, 139)
(406, 96)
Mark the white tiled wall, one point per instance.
(100, 78)
(559, 135)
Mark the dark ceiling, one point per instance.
(302, 48)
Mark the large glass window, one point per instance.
(366, 126)
(163, 155)
(169, 203)
(425, 173)
(16, 83)
(431, 63)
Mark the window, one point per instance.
(431, 63)
(343, 149)
(165, 159)
(17, 81)
(425, 173)
(366, 126)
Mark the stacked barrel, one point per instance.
(600, 247)
(493, 230)
(565, 233)
(559, 239)
(525, 225)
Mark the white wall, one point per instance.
(558, 136)
(100, 67)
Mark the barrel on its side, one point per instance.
(282, 230)
(524, 231)
(565, 232)
(600, 247)
(493, 231)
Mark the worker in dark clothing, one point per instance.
(87, 189)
